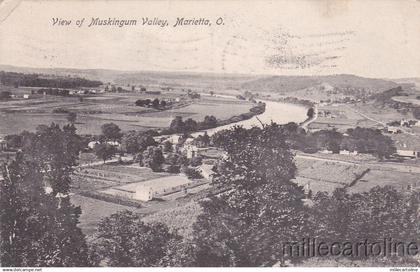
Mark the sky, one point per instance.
(363, 37)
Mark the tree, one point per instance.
(39, 228)
(155, 103)
(168, 147)
(416, 113)
(177, 124)
(203, 140)
(133, 141)
(71, 117)
(14, 141)
(310, 113)
(368, 140)
(209, 122)
(152, 157)
(190, 125)
(191, 172)
(380, 213)
(261, 206)
(123, 239)
(111, 131)
(5, 95)
(104, 151)
(56, 152)
(328, 139)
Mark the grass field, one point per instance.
(93, 111)
(94, 210)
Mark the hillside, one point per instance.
(287, 84)
(255, 83)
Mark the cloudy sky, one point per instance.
(367, 38)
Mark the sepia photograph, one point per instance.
(179, 133)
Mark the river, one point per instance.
(278, 112)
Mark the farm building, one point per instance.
(393, 130)
(407, 145)
(147, 190)
(347, 152)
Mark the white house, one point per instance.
(191, 151)
(206, 170)
(393, 130)
(114, 143)
(408, 153)
(92, 144)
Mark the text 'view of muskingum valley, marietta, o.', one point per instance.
(145, 21)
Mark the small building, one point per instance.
(393, 130)
(408, 153)
(407, 146)
(92, 144)
(114, 143)
(347, 152)
(206, 170)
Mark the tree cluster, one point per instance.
(360, 139)
(149, 103)
(178, 125)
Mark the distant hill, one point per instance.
(287, 84)
(255, 83)
(413, 80)
(204, 80)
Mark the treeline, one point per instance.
(263, 214)
(360, 139)
(36, 80)
(155, 103)
(385, 99)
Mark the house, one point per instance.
(92, 144)
(206, 170)
(408, 153)
(191, 151)
(347, 152)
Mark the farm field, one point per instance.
(94, 210)
(109, 175)
(407, 99)
(180, 217)
(343, 170)
(94, 111)
(343, 116)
